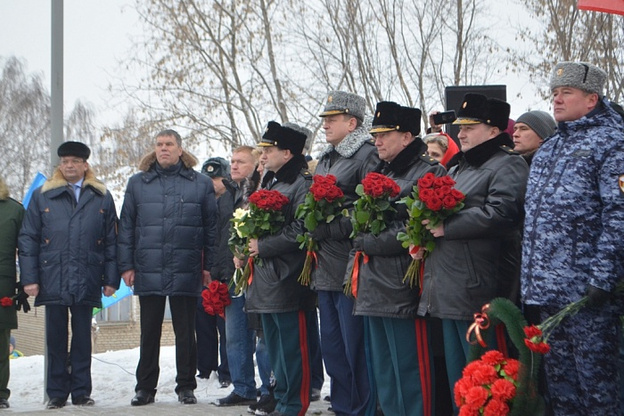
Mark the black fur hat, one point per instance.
(390, 116)
(477, 108)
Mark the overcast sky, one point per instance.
(98, 34)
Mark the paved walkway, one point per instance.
(203, 408)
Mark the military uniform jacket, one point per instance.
(11, 215)
(349, 162)
(381, 291)
(69, 248)
(573, 233)
(275, 288)
(168, 228)
(478, 258)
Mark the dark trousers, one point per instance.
(342, 341)
(211, 344)
(5, 336)
(68, 374)
(183, 320)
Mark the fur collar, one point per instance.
(406, 158)
(287, 173)
(350, 144)
(58, 181)
(482, 153)
(188, 160)
(4, 190)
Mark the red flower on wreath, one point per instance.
(488, 386)
(6, 301)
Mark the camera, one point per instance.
(444, 118)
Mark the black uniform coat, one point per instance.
(381, 291)
(275, 288)
(478, 258)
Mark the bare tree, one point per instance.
(565, 33)
(24, 126)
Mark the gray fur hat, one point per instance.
(341, 102)
(542, 123)
(581, 75)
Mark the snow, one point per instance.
(113, 380)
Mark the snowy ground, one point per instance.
(113, 382)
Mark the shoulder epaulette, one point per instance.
(306, 174)
(428, 159)
(370, 141)
(508, 150)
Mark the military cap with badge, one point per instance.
(216, 167)
(390, 116)
(341, 102)
(283, 137)
(477, 108)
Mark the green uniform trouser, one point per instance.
(5, 335)
(402, 363)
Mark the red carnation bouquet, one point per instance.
(372, 212)
(322, 204)
(488, 386)
(264, 218)
(434, 199)
(215, 298)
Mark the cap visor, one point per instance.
(382, 129)
(331, 113)
(467, 121)
(266, 144)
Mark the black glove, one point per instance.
(358, 242)
(321, 232)
(597, 296)
(21, 299)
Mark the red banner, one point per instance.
(607, 6)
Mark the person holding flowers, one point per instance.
(477, 250)
(573, 242)
(400, 356)
(349, 156)
(286, 307)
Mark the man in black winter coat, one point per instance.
(166, 237)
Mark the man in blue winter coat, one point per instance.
(166, 236)
(573, 242)
(67, 253)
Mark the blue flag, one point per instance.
(40, 178)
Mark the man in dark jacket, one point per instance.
(67, 259)
(399, 339)
(285, 305)
(477, 250)
(349, 156)
(11, 215)
(573, 241)
(210, 329)
(166, 237)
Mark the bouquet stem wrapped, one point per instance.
(322, 205)
(371, 214)
(433, 199)
(263, 218)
